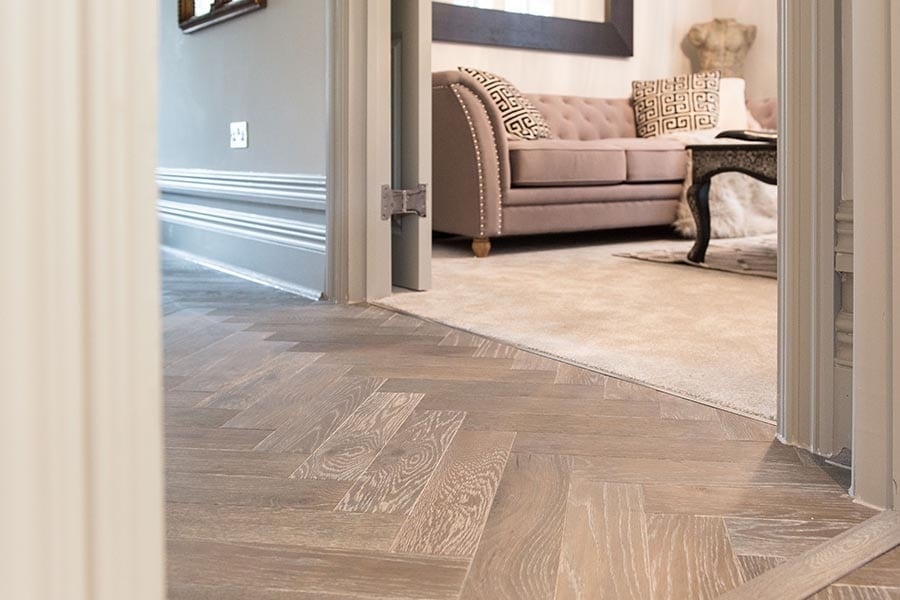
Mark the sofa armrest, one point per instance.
(471, 174)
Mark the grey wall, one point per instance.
(261, 210)
(267, 68)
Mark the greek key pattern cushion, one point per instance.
(521, 119)
(682, 103)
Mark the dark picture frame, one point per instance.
(464, 24)
(222, 10)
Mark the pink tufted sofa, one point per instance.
(594, 174)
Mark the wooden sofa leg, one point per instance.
(481, 246)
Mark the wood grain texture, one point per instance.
(519, 552)
(691, 557)
(393, 482)
(604, 549)
(882, 571)
(354, 445)
(293, 395)
(249, 387)
(319, 416)
(592, 458)
(231, 462)
(853, 592)
(618, 446)
(797, 502)
(779, 537)
(821, 566)
(289, 526)
(313, 570)
(450, 513)
(210, 489)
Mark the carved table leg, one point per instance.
(481, 246)
(698, 200)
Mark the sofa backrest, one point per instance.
(578, 118)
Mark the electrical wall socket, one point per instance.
(239, 137)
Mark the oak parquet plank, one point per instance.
(541, 405)
(286, 526)
(604, 549)
(348, 452)
(203, 488)
(461, 338)
(677, 408)
(754, 566)
(617, 446)
(529, 361)
(522, 387)
(795, 502)
(421, 361)
(449, 515)
(189, 591)
(493, 349)
(214, 438)
(181, 344)
(474, 373)
(695, 472)
(363, 346)
(197, 416)
(219, 353)
(310, 424)
(392, 483)
(356, 573)
(232, 462)
(289, 396)
(274, 375)
(883, 571)
(743, 428)
(690, 557)
(816, 569)
(184, 399)
(853, 592)
(780, 537)
(234, 355)
(571, 374)
(598, 426)
(518, 556)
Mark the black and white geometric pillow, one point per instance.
(521, 118)
(682, 103)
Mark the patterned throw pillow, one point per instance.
(521, 118)
(682, 103)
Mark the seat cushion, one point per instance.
(652, 160)
(566, 162)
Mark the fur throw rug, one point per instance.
(739, 205)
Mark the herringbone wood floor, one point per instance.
(318, 451)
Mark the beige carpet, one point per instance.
(705, 335)
(748, 256)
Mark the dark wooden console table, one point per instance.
(756, 159)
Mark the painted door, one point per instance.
(411, 138)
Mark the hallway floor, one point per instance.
(320, 451)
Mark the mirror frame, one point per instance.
(464, 24)
(222, 10)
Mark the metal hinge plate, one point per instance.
(402, 202)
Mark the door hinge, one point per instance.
(402, 202)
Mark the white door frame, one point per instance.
(809, 109)
(81, 506)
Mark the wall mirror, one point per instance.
(577, 26)
(197, 14)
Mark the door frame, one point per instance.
(808, 174)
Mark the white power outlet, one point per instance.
(239, 137)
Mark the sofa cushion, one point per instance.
(520, 117)
(651, 160)
(566, 162)
(681, 103)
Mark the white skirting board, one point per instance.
(268, 228)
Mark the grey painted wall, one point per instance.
(267, 68)
(260, 210)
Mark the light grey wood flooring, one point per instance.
(318, 451)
